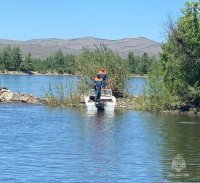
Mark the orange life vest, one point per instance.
(98, 79)
(102, 72)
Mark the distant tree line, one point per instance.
(11, 59)
(141, 64)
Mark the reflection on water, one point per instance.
(107, 116)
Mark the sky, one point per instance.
(68, 19)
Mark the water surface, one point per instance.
(38, 85)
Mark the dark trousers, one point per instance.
(97, 93)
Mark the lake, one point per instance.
(61, 145)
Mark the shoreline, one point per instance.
(134, 104)
(138, 76)
(34, 73)
(7, 96)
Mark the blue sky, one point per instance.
(66, 19)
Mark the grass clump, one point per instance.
(62, 94)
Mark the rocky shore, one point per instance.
(7, 96)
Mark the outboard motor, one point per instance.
(92, 98)
(100, 105)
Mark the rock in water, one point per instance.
(8, 96)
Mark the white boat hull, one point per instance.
(108, 100)
(109, 106)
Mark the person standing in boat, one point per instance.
(104, 76)
(98, 84)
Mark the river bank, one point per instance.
(137, 103)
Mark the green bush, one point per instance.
(90, 61)
(175, 81)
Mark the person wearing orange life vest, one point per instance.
(103, 75)
(98, 84)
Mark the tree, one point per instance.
(140, 64)
(132, 62)
(59, 58)
(10, 58)
(180, 57)
(70, 63)
(145, 63)
(16, 57)
(6, 58)
(27, 64)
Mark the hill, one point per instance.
(41, 48)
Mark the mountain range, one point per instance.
(41, 48)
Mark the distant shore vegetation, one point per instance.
(11, 59)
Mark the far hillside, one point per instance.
(42, 48)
